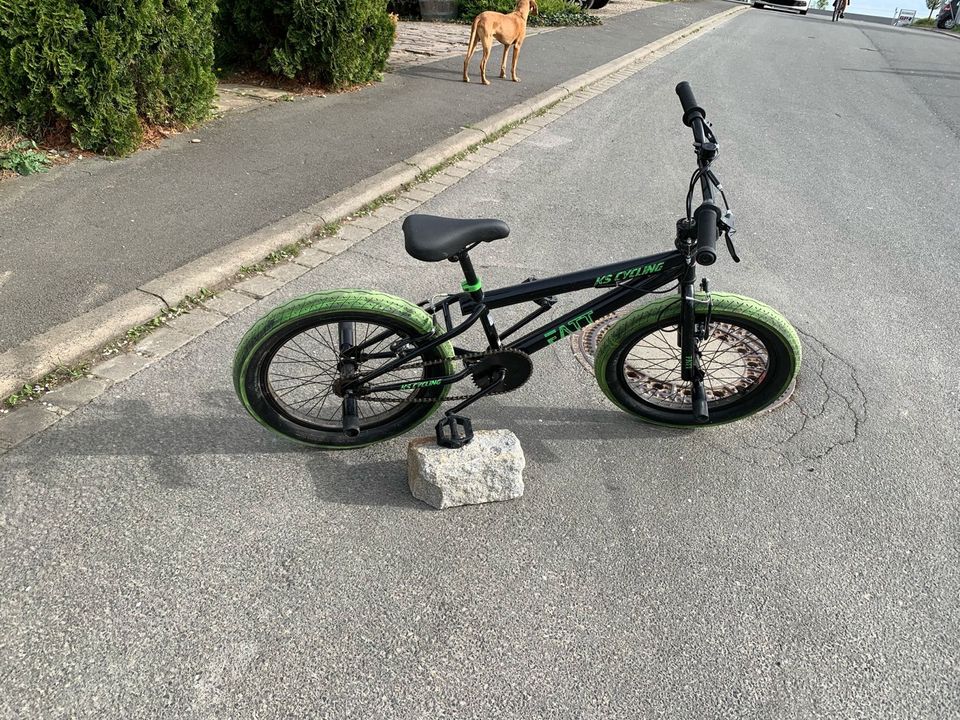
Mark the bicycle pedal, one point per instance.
(454, 431)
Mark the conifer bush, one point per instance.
(332, 42)
(552, 12)
(104, 66)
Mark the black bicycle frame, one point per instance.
(628, 281)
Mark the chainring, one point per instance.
(516, 363)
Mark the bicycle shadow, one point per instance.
(380, 483)
(169, 442)
(540, 430)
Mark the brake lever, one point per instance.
(731, 249)
(726, 225)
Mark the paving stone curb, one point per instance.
(77, 338)
(66, 343)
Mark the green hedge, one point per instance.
(102, 65)
(551, 12)
(333, 42)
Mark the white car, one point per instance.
(799, 5)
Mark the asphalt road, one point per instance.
(164, 556)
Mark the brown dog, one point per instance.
(508, 29)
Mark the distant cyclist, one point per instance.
(838, 7)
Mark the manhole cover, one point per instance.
(586, 342)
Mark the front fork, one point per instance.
(346, 339)
(691, 333)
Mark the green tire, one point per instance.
(296, 319)
(645, 393)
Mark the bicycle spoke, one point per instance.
(303, 372)
(732, 359)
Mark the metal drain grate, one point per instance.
(586, 341)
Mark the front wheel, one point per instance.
(286, 368)
(749, 360)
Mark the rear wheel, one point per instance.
(749, 360)
(287, 366)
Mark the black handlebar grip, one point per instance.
(707, 217)
(689, 103)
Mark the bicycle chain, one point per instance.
(448, 398)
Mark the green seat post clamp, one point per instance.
(472, 287)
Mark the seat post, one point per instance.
(472, 283)
(474, 286)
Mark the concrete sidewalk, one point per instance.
(84, 236)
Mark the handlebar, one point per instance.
(707, 216)
(689, 104)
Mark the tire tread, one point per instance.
(328, 301)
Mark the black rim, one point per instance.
(299, 372)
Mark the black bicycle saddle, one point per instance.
(432, 238)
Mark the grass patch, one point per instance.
(287, 252)
(464, 154)
(246, 271)
(572, 15)
(931, 23)
(292, 250)
(67, 373)
(63, 374)
(372, 206)
(138, 332)
(191, 302)
(23, 157)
